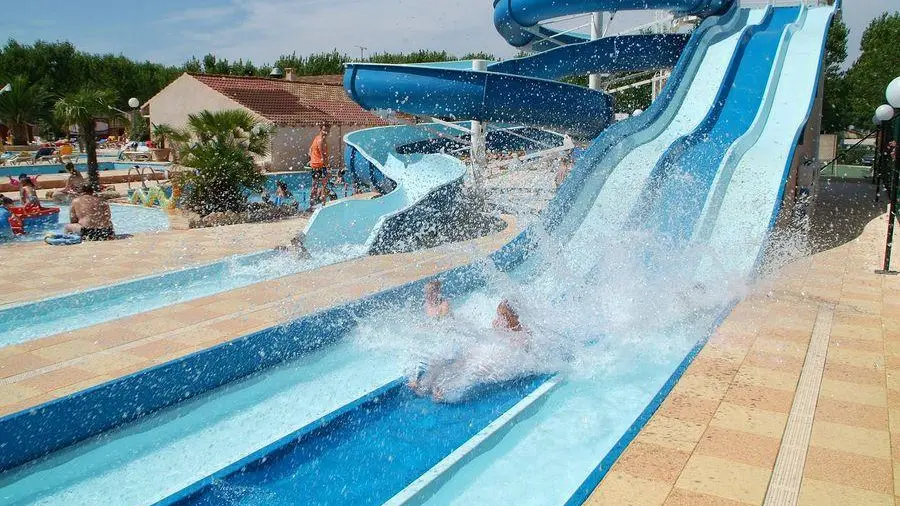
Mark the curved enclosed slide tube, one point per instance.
(521, 90)
(518, 21)
(354, 223)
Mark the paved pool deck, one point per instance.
(737, 410)
(35, 270)
(44, 369)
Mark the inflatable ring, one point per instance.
(62, 239)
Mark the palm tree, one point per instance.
(220, 148)
(22, 105)
(81, 109)
(163, 133)
(234, 127)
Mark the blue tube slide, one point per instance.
(482, 96)
(609, 54)
(517, 20)
(519, 90)
(684, 175)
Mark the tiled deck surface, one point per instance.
(715, 439)
(43, 369)
(34, 270)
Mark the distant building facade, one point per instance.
(295, 106)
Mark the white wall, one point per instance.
(290, 146)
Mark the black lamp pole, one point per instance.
(892, 195)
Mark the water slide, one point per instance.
(748, 76)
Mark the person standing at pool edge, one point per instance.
(318, 162)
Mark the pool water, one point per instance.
(91, 307)
(126, 219)
(300, 185)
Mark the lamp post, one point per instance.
(134, 103)
(3, 90)
(885, 113)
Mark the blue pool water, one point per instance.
(126, 219)
(300, 184)
(98, 305)
(56, 168)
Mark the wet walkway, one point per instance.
(737, 410)
(34, 270)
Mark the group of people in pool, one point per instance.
(90, 216)
(507, 326)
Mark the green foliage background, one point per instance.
(59, 69)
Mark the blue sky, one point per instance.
(170, 31)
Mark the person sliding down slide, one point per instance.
(502, 355)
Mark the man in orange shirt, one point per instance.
(318, 162)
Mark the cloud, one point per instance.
(203, 14)
(266, 29)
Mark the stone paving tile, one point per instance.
(849, 469)
(622, 489)
(724, 478)
(733, 436)
(826, 493)
(102, 263)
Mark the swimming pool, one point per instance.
(300, 183)
(127, 219)
(57, 168)
(91, 307)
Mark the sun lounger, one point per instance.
(22, 157)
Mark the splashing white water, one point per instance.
(587, 311)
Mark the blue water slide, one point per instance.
(564, 443)
(575, 197)
(519, 20)
(682, 179)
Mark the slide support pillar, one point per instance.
(596, 33)
(478, 138)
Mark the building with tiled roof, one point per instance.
(295, 106)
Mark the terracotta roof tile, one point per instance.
(312, 101)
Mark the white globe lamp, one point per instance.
(884, 112)
(133, 103)
(892, 93)
(637, 112)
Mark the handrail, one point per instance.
(844, 152)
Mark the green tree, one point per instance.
(835, 102)
(163, 133)
(220, 151)
(81, 109)
(875, 67)
(25, 103)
